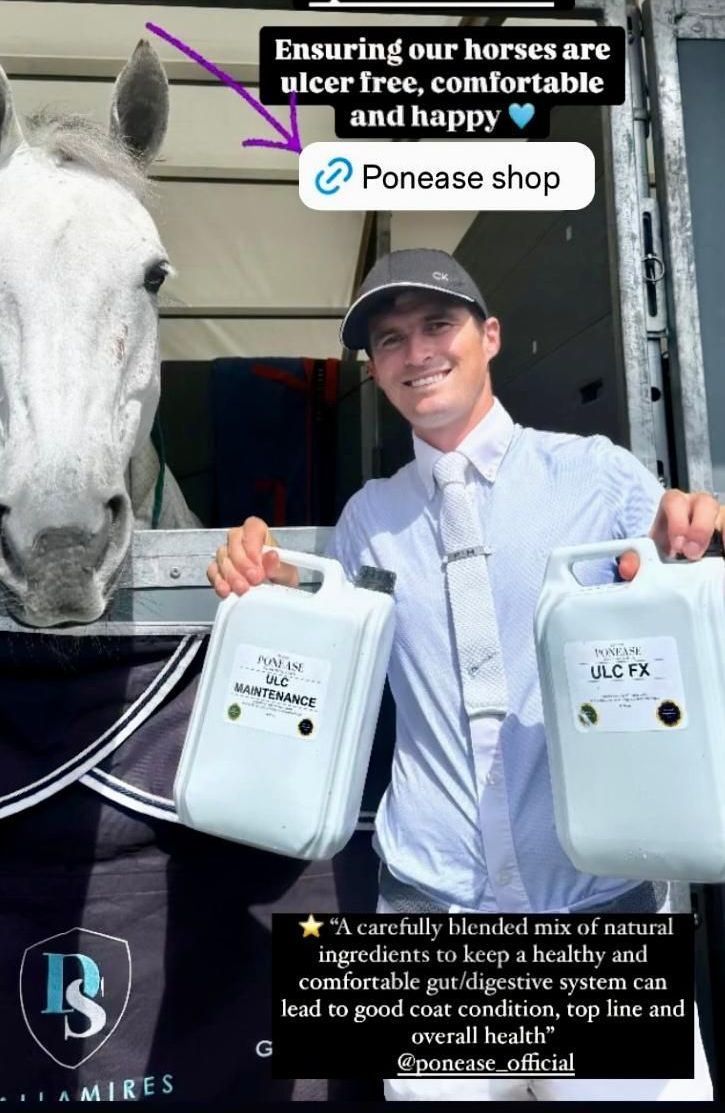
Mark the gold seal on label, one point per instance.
(588, 715)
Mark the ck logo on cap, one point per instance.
(74, 989)
(440, 276)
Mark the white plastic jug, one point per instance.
(279, 739)
(633, 687)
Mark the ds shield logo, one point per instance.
(74, 988)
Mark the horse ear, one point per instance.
(10, 133)
(140, 106)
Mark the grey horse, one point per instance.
(82, 264)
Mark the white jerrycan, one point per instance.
(633, 687)
(279, 739)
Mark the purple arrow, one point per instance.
(291, 137)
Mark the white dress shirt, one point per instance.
(468, 816)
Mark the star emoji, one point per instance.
(310, 926)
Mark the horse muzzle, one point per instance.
(62, 573)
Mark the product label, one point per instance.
(283, 693)
(629, 685)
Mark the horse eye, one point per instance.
(154, 277)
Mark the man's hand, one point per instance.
(241, 564)
(683, 524)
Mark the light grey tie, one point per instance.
(469, 592)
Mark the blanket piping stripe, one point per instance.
(106, 743)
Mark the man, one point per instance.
(467, 821)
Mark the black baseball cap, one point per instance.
(419, 268)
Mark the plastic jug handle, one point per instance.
(334, 577)
(561, 561)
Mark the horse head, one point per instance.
(81, 266)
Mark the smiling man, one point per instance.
(467, 821)
(418, 342)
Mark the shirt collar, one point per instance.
(485, 446)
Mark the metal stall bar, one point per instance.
(653, 266)
(626, 248)
(163, 588)
(667, 21)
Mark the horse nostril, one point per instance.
(115, 508)
(116, 511)
(6, 548)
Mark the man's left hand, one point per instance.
(683, 524)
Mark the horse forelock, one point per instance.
(72, 137)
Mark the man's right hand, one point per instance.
(241, 564)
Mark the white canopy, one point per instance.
(230, 217)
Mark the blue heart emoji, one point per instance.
(521, 114)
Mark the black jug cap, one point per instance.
(375, 579)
